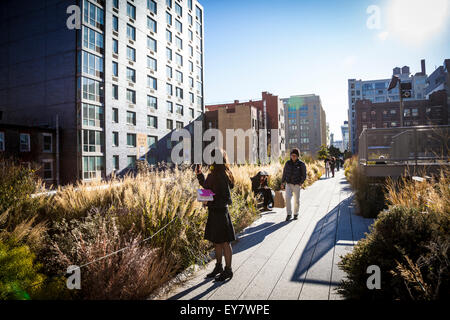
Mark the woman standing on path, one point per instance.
(219, 228)
(327, 168)
(332, 165)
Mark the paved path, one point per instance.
(274, 259)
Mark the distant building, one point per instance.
(32, 146)
(345, 136)
(338, 144)
(305, 123)
(272, 112)
(387, 114)
(376, 92)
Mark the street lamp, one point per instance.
(404, 91)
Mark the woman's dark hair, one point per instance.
(223, 168)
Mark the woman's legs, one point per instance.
(219, 252)
(228, 253)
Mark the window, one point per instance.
(92, 64)
(151, 5)
(93, 15)
(92, 39)
(131, 75)
(180, 109)
(151, 141)
(92, 115)
(169, 54)
(151, 44)
(178, 9)
(179, 59)
(131, 139)
(151, 63)
(180, 125)
(152, 83)
(200, 91)
(168, 18)
(2, 141)
(190, 4)
(131, 11)
(178, 26)
(169, 107)
(115, 115)
(198, 14)
(115, 4)
(131, 160)
(198, 28)
(131, 32)
(92, 90)
(415, 112)
(179, 92)
(169, 124)
(191, 113)
(200, 73)
(115, 46)
(191, 82)
(191, 51)
(191, 66)
(191, 97)
(92, 167)
(115, 23)
(131, 96)
(168, 36)
(152, 102)
(115, 69)
(151, 24)
(407, 112)
(152, 122)
(92, 141)
(47, 142)
(179, 76)
(169, 71)
(131, 54)
(191, 35)
(169, 3)
(115, 163)
(115, 139)
(169, 89)
(115, 92)
(47, 169)
(179, 43)
(200, 103)
(131, 118)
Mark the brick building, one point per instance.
(272, 112)
(433, 111)
(32, 146)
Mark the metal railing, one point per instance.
(404, 145)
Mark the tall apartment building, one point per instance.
(376, 91)
(306, 125)
(272, 110)
(130, 75)
(345, 136)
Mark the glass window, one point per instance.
(151, 5)
(169, 107)
(115, 69)
(169, 124)
(190, 4)
(92, 141)
(179, 93)
(151, 141)
(115, 163)
(179, 59)
(168, 18)
(169, 54)
(92, 115)
(178, 26)
(191, 66)
(191, 51)
(131, 96)
(92, 39)
(115, 45)
(93, 15)
(131, 11)
(131, 75)
(131, 32)
(191, 82)
(92, 64)
(169, 89)
(169, 3)
(151, 63)
(152, 83)
(168, 36)
(151, 44)
(131, 118)
(152, 102)
(178, 9)
(179, 43)
(115, 115)
(92, 90)
(152, 122)
(115, 92)
(47, 169)
(131, 139)
(131, 54)
(115, 23)
(169, 71)
(179, 76)
(131, 161)
(179, 109)
(198, 14)
(116, 4)
(191, 97)
(115, 139)
(92, 167)
(191, 35)
(151, 24)
(191, 112)
(47, 142)
(180, 125)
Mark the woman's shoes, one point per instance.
(225, 275)
(218, 269)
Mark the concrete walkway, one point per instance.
(274, 259)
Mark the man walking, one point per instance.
(294, 174)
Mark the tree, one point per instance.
(322, 154)
(334, 152)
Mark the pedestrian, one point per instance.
(294, 174)
(260, 187)
(337, 164)
(332, 165)
(327, 168)
(219, 228)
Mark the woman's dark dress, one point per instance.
(219, 227)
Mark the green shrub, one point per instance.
(403, 243)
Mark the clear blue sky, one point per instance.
(290, 47)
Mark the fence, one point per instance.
(404, 145)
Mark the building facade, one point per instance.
(127, 78)
(32, 146)
(345, 136)
(433, 111)
(376, 92)
(272, 110)
(306, 126)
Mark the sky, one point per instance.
(291, 47)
